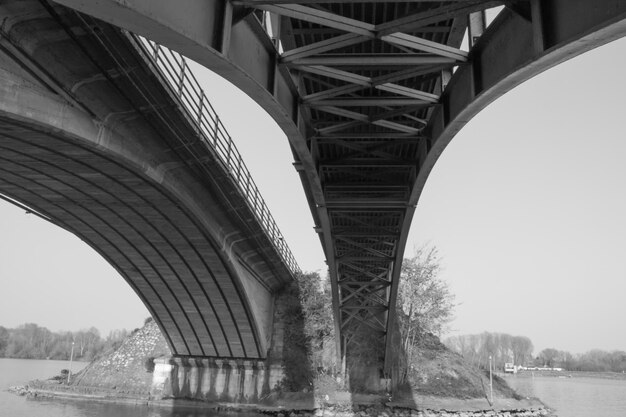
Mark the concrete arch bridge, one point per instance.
(110, 137)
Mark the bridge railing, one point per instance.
(173, 69)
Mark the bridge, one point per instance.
(369, 94)
(109, 136)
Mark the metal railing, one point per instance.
(178, 77)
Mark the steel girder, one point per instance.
(366, 94)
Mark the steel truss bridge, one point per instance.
(369, 94)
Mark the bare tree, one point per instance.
(522, 348)
(502, 347)
(425, 302)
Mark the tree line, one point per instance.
(30, 341)
(503, 348)
(595, 360)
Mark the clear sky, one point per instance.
(527, 206)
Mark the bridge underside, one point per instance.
(369, 94)
(92, 141)
(137, 229)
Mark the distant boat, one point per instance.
(510, 368)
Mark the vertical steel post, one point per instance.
(342, 353)
(69, 372)
(490, 381)
(200, 110)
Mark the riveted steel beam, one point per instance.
(389, 61)
(424, 45)
(256, 3)
(321, 17)
(414, 21)
(369, 102)
(326, 45)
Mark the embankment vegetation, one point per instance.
(424, 308)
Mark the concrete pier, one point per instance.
(211, 379)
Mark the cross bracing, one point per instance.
(369, 75)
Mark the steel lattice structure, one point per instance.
(369, 94)
(370, 76)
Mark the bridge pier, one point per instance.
(212, 379)
(242, 380)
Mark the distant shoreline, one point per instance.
(567, 374)
(46, 359)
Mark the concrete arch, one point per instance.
(121, 191)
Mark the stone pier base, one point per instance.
(212, 379)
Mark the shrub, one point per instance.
(149, 364)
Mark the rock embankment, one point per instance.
(119, 375)
(20, 390)
(431, 413)
(368, 411)
(128, 368)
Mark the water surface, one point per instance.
(19, 372)
(576, 396)
(571, 397)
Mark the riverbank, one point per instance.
(295, 405)
(443, 385)
(325, 399)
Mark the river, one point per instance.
(571, 397)
(575, 397)
(19, 372)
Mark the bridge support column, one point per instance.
(219, 385)
(210, 379)
(234, 380)
(161, 378)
